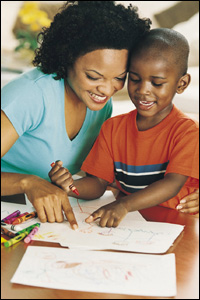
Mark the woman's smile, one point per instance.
(98, 99)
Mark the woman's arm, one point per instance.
(48, 200)
(8, 134)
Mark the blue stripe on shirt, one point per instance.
(134, 178)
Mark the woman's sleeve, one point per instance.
(22, 102)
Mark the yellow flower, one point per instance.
(34, 19)
(35, 27)
(44, 22)
(31, 15)
(28, 7)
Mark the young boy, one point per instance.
(151, 152)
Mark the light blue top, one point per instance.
(34, 103)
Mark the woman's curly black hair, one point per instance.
(85, 26)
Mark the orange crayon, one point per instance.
(25, 218)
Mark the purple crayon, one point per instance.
(14, 214)
(31, 235)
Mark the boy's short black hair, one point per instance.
(85, 26)
(165, 39)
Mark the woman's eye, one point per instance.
(121, 79)
(90, 77)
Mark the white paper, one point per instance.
(134, 233)
(136, 236)
(98, 271)
(54, 231)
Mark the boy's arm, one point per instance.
(89, 187)
(156, 193)
(110, 215)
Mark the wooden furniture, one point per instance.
(186, 249)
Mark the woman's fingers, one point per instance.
(69, 213)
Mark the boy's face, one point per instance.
(152, 84)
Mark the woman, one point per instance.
(56, 110)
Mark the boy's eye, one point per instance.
(134, 80)
(157, 84)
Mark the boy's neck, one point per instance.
(145, 123)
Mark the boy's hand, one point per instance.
(60, 176)
(110, 215)
(190, 204)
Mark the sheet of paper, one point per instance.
(133, 234)
(136, 236)
(98, 271)
(55, 232)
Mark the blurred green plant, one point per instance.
(33, 20)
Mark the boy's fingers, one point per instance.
(54, 169)
(58, 171)
(106, 222)
(95, 215)
(89, 219)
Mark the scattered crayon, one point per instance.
(25, 218)
(10, 226)
(7, 232)
(28, 229)
(14, 214)
(3, 240)
(10, 221)
(16, 239)
(29, 237)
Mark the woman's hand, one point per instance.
(49, 201)
(110, 215)
(190, 204)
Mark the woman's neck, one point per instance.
(75, 112)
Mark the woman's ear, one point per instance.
(183, 83)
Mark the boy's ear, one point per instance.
(183, 83)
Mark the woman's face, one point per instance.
(98, 75)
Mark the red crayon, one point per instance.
(71, 186)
